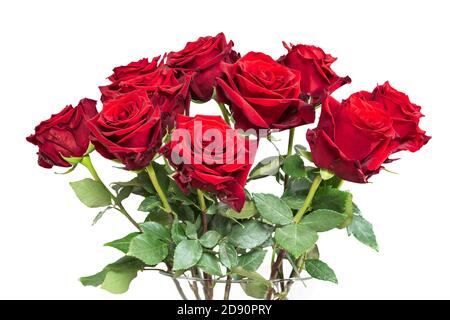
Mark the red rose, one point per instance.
(317, 78)
(128, 129)
(165, 87)
(352, 139)
(134, 69)
(263, 94)
(203, 58)
(64, 134)
(355, 138)
(208, 154)
(405, 116)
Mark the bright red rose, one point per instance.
(208, 154)
(405, 116)
(263, 94)
(64, 134)
(165, 87)
(128, 129)
(203, 58)
(317, 78)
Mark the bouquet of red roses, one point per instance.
(203, 225)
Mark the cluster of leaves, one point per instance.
(234, 243)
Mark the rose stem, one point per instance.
(274, 272)
(286, 180)
(179, 289)
(208, 283)
(226, 295)
(159, 191)
(289, 152)
(225, 113)
(87, 163)
(309, 197)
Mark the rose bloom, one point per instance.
(318, 80)
(128, 129)
(202, 58)
(209, 155)
(263, 94)
(165, 87)
(64, 134)
(354, 138)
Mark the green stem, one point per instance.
(289, 152)
(152, 174)
(87, 163)
(225, 113)
(309, 197)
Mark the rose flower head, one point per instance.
(263, 94)
(209, 155)
(65, 134)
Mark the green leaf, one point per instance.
(293, 166)
(296, 238)
(332, 199)
(362, 230)
(320, 270)
(178, 234)
(301, 150)
(212, 209)
(210, 239)
(210, 264)
(156, 230)
(115, 277)
(255, 289)
(313, 254)
(122, 244)
(252, 275)
(148, 249)
(252, 260)
(191, 230)
(187, 254)
(248, 211)
(159, 216)
(228, 255)
(221, 224)
(100, 214)
(178, 194)
(249, 235)
(94, 280)
(124, 193)
(273, 209)
(323, 220)
(266, 167)
(149, 204)
(91, 193)
(326, 174)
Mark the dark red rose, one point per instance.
(405, 116)
(128, 129)
(317, 78)
(355, 138)
(208, 154)
(134, 69)
(64, 134)
(203, 58)
(165, 87)
(352, 139)
(263, 94)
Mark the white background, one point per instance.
(53, 53)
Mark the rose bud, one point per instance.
(65, 134)
(317, 78)
(209, 155)
(203, 58)
(128, 129)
